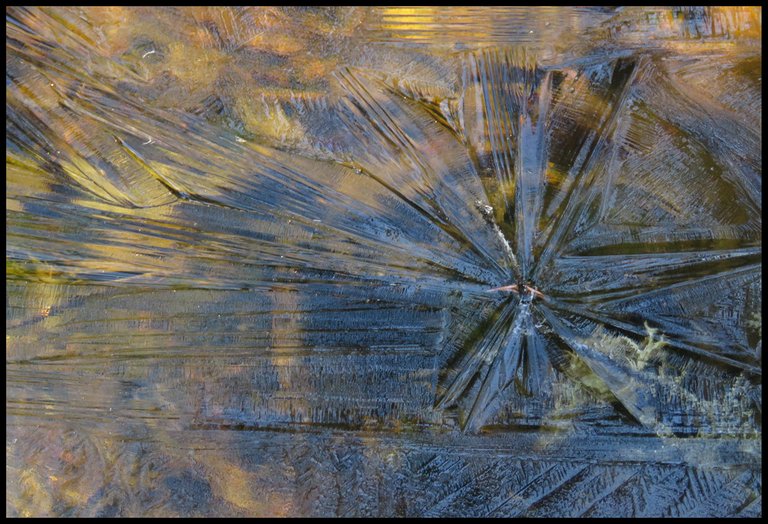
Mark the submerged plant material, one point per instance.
(383, 261)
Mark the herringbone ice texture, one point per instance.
(383, 262)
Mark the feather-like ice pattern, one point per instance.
(428, 225)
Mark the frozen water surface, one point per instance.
(383, 262)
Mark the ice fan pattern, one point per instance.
(457, 244)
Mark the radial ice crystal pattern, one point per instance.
(280, 232)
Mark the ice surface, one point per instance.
(252, 255)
